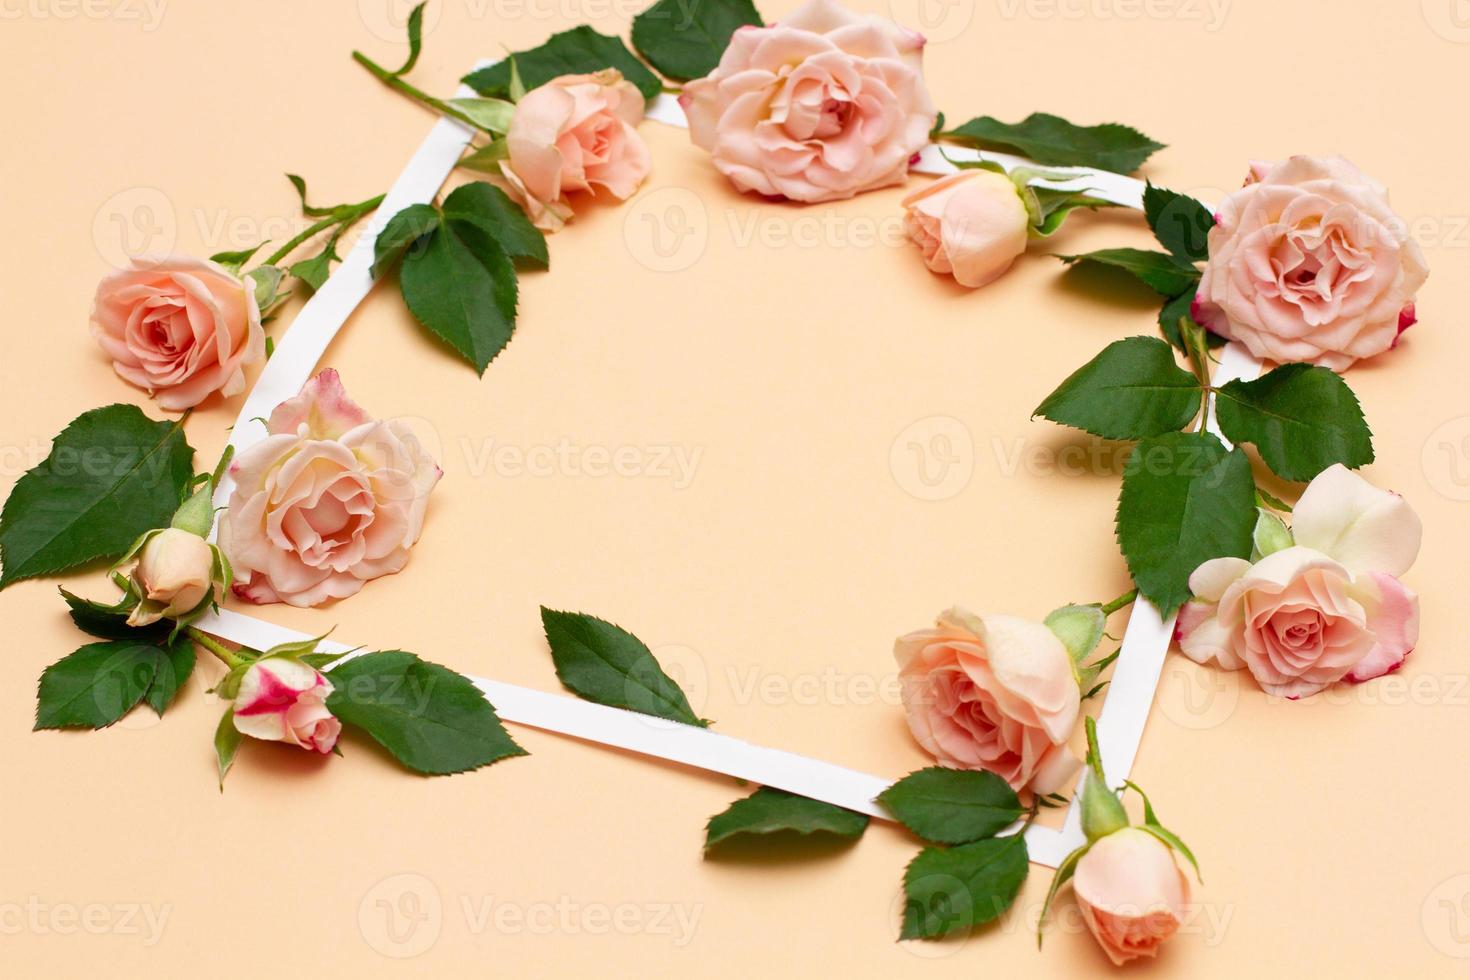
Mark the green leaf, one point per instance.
(315, 270)
(415, 38)
(491, 209)
(461, 286)
(172, 674)
(431, 719)
(1162, 273)
(1180, 223)
(605, 663)
(1054, 141)
(949, 889)
(1051, 208)
(307, 209)
(1184, 501)
(235, 261)
(1301, 419)
(1064, 874)
(952, 806)
(111, 622)
(578, 51)
(684, 39)
(97, 684)
(403, 230)
(1152, 825)
(226, 743)
(1133, 389)
(769, 810)
(112, 474)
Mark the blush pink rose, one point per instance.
(971, 225)
(575, 133)
(330, 499)
(284, 700)
(1132, 893)
(992, 692)
(1309, 263)
(180, 328)
(824, 105)
(174, 574)
(1328, 608)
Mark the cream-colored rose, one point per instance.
(992, 692)
(971, 225)
(575, 133)
(819, 107)
(174, 574)
(329, 500)
(284, 700)
(1309, 263)
(1328, 608)
(179, 327)
(1132, 893)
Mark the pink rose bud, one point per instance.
(180, 328)
(575, 133)
(1132, 893)
(284, 700)
(174, 574)
(971, 225)
(992, 692)
(819, 107)
(1307, 262)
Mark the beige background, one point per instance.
(809, 365)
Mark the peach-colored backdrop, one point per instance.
(822, 446)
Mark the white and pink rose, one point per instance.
(281, 699)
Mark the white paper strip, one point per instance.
(1135, 674)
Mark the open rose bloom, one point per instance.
(329, 500)
(1328, 608)
(574, 134)
(1308, 262)
(1132, 893)
(180, 328)
(284, 700)
(819, 107)
(992, 692)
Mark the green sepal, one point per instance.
(1271, 534)
(1079, 627)
(227, 740)
(1152, 825)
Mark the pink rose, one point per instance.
(575, 133)
(1309, 263)
(992, 692)
(1132, 893)
(971, 224)
(822, 106)
(179, 327)
(283, 700)
(1327, 608)
(329, 500)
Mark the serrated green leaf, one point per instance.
(461, 287)
(404, 230)
(112, 474)
(578, 51)
(1184, 501)
(172, 674)
(953, 806)
(429, 718)
(684, 39)
(949, 889)
(1162, 273)
(1054, 141)
(97, 684)
(491, 209)
(1133, 389)
(111, 622)
(1180, 223)
(1301, 419)
(602, 662)
(769, 810)
(226, 743)
(415, 38)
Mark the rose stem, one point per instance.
(214, 646)
(394, 82)
(344, 216)
(1108, 608)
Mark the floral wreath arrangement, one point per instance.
(1304, 266)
